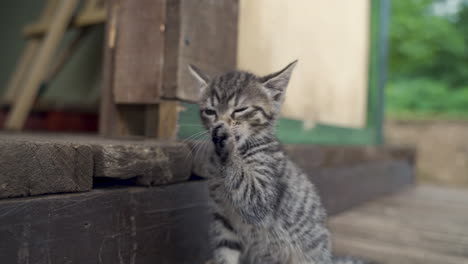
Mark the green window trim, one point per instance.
(293, 132)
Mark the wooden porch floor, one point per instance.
(424, 224)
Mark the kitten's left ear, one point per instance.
(276, 83)
(199, 75)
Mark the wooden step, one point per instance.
(34, 164)
(424, 224)
(119, 225)
(348, 176)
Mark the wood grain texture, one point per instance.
(149, 163)
(424, 224)
(139, 54)
(208, 39)
(167, 120)
(161, 120)
(32, 168)
(38, 164)
(171, 49)
(122, 225)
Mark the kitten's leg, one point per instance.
(252, 187)
(227, 245)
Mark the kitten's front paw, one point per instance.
(223, 141)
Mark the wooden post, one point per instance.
(167, 119)
(161, 120)
(52, 39)
(144, 79)
(108, 113)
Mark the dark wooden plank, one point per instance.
(346, 187)
(126, 225)
(32, 168)
(149, 163)
(314, 156)
(349, 176)
(139, 54)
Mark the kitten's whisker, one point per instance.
(190, 140)
(197, 125)
(194, 136)
(199, 146)
(191, 124)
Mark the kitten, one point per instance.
(266, 209)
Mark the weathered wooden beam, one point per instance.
(349, 176)
(35, 164)
(148, 163)
(345, 187)
(40, 164)
(320, 156)
(139, 53)
(119, 225)
(167, 120)
(200, 32)
(33, 167)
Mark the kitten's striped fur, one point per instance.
(266, 210)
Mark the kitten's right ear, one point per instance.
(200, 76)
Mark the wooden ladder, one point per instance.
(43, 39)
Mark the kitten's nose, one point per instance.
(226, 119)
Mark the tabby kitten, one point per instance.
(266, 210)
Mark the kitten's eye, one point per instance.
(209, 112)
(240, 110)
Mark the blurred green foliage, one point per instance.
(428, 58)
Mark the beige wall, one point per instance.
(331, 40)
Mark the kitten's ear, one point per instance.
(199, 75)
(277, 82)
